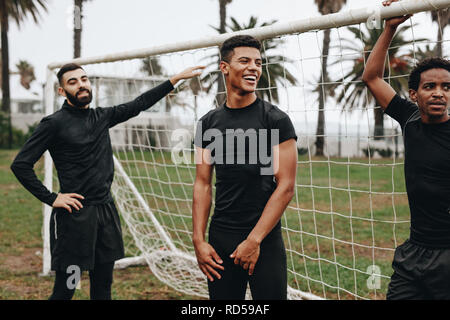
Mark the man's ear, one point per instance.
(224, 67)
(413, 95)
(61, 92)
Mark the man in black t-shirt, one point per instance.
(85, 232)
(421, 264)
(252, 146)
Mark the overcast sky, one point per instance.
(116, 25)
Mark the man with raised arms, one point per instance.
(421, 264)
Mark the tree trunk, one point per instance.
(320, 132)
(378, 131)
(439, 40)
(6, 96)
(221, 92)
(77, 27)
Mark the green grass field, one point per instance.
(343, 219)
(21, 249)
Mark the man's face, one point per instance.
(433, 95)
(76, 87)
(243, 70)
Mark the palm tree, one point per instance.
(77, 26)
(353, 91)
(274, 71)
(18, 10)
(221, 95)
(442, 17)
(26, 72)
(325, 7)
(152, 67)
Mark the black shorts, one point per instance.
(420, 273)
(86, 237)
(269, 279)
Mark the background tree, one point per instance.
(17, 10)
(442, 18)
(221, 94)
(353, 92)
(26, 72)
(77, 26)
(325, 7)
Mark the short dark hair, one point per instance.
(237, 41)
(424, 65)
(66, 68)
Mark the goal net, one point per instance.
(350, 209)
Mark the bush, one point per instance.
(18, 136)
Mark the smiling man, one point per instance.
(421, 264)
(85, 232)
(245, 242)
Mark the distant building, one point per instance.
(26, 105)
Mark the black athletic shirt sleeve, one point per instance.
(401, 110)
(80, 147)
(125, 111)
(284, 126)
(22, 166)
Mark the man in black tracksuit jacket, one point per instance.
(85, 232)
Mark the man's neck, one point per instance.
(236, 101)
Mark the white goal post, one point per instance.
(338, 242)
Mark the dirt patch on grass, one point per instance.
(20, 279)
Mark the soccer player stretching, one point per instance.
(421, 264)
(85, 232)
(245, 243)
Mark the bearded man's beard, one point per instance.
(77, 101)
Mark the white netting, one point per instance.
(350, 208)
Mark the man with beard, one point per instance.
(84, 226)
(422, 263)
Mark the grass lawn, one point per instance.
(21, 250)
(346, 216)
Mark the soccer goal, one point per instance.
(350, 209)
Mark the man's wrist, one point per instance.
(197, 239)
(173, 80)
(254, 239)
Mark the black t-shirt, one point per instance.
(427, 174)
(79, 143)
(241, 143)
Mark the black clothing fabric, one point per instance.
(427, 174)
(101, 279)
(84, 238)
(79, 143)
(420, 273)
(241, 143)
(269, 278)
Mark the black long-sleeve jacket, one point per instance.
(79, 143)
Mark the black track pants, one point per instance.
(269, 279)
(101, 278)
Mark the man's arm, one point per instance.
(207, 258)
(374, 70)
(23, 164)
(131, 109)
(285, 168)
